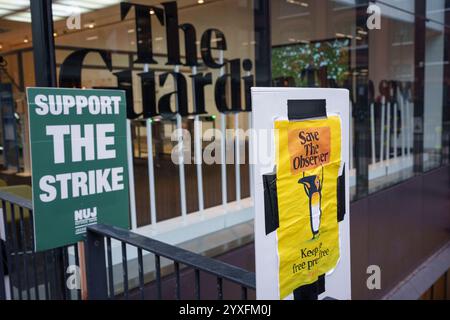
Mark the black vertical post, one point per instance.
(43, 43)
(446, 98)
(45, 76)
(97, 285)
(419, 81)
(3, 258)
(361, 105)
(263, 46)
(20, 66)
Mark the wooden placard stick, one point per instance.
(83, 278)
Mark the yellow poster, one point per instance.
(308, 162)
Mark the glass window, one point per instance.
(395, 109)
(392, 105)
(16, 73)
(434, 84)
(131, 49)
(315, 45)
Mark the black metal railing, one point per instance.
(185, 274)
(173, 273)
(31, 275)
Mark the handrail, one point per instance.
(31, 277)
(194, 260)
(17, 200)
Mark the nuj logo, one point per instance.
(85, 214)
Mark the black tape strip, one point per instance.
(311, 291)
(341, 196)
(321, 284)
(270, 202)
(305, 109)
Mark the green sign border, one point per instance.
(54, 222)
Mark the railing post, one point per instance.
(96, 266)
(2, 271)
(43, 43)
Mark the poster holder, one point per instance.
(270, 104)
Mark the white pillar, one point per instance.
(402, 123)
(223, 146)
(383, 111)
(151, 172)
(151, 168)
(372, 132)
(238, 157)
(223, 159)
(388, 133)
(408, 126)
(130, 157)
(181, 157)
(198, 132)
(395, 130)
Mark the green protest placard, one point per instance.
(79, 162)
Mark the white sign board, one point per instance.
(270, 106)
